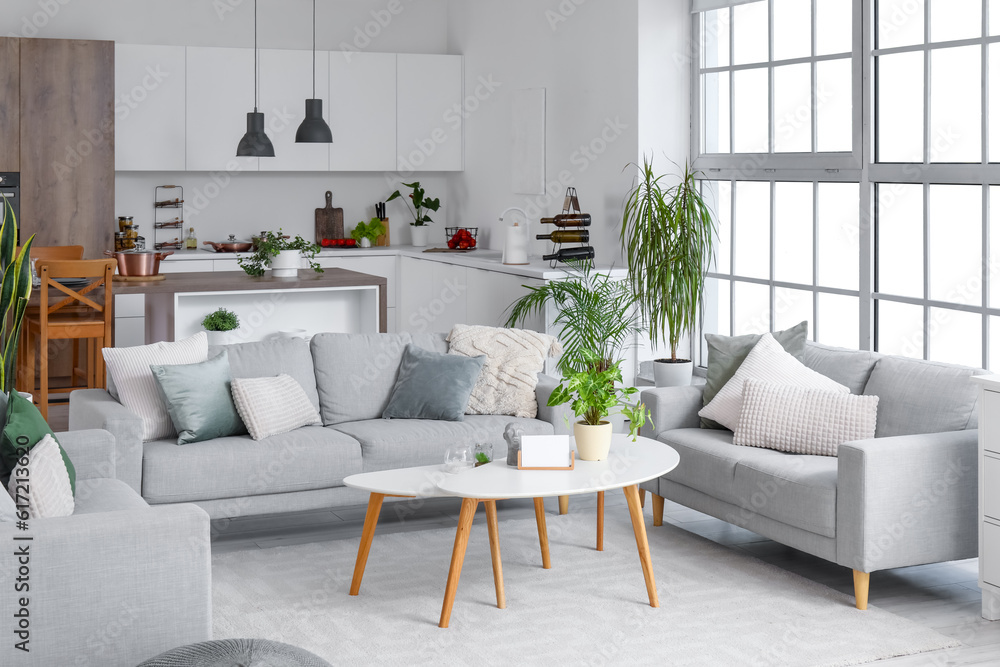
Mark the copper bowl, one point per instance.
(138, 262)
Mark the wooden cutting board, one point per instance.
(329, 221)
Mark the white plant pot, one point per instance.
(365, 243)
(672, 375)
(592, 442)
(286, 264)
(418, 236)
(221, 337)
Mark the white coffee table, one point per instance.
(628, 464)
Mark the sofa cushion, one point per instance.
(272, 406)
(798, 490)
(400, 443)
(308, 458)
(199, 399)
(94, 496)
(432, 385)
(922, 396)
(268, 358)
(44, 490)
(851, 368)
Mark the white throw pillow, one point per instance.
(769, 362)
(514, 358)
(273, 405)
(802, 420)
(137, 389)
(48, 490)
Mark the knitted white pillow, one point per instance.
(803, 420)
(47, 488)
(272, 405)
(138, 391)
(769, 362)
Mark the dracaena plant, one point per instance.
(420, 203)
(14, 295)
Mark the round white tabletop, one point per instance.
(628, 463)
(418, 482)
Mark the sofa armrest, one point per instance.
(92, 453)
(112, 588)
(561, 417)
(96, 409)
(907, 500)
(671, 408)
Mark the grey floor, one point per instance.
(943, 596)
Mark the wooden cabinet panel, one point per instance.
(362, 111)
(429, 113)
(68, 143)
(10, 104)
(149, 107)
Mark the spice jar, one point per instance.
(123, 222)
(119, 241)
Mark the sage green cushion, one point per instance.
(199, 399)
(432, 385)
(24, 429)
(727, 353)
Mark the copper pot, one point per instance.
(138, 262)
(232, 245)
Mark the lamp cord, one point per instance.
(256, 63)
(314, 49)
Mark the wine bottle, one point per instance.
(568, 220)
(571, 254)
(572, 236)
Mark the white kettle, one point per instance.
(516, 238)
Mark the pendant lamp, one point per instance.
(255, 142)
(314, 129)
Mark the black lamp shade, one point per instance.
(314, 129)
(255, 142)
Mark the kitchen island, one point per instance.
(336, 300)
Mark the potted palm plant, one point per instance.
(668, 236)
(420, 204)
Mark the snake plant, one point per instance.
(14, 294)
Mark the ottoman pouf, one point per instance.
(237, 653)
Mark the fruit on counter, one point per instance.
(338, 243)
(462, 240)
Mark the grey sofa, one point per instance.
(906, 497)
(115, 583)
(349, 378)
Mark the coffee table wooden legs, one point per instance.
(371, 520)
(564, 504)
(639, 528)
(494, 529)
(543, 533)
(600, 521)
(469, 506)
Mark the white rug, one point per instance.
(718, 607)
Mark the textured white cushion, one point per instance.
(47, 487)
(769, 362)
(137, 390)
(514, 358)
(269, 406)
(803, 420)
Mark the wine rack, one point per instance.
(571, 238)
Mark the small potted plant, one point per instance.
(419, 206)
(367, 233)
(593, 393)
(220, 324)
(281, 253)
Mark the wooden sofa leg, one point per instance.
(642, 498)
(861, 589)
(657, 510)
(564, 504)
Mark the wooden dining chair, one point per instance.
(64, 313)
(72, 252)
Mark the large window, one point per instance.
(871, 217)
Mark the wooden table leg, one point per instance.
(600, 521)
(563, 504)
(371, 520)
(543, 533)
(494, 529)
(642, 498)
(469, 506)
(639, 528)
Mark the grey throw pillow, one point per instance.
(199, 399)
(727, 353)
(432, 385)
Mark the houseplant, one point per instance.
(595, 312)
(282, 254)
(419, 205)
(668, 235)
(593, 394)
(219, 324)
(14, 294)
(367, 233)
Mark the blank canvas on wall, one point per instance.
(528, 142)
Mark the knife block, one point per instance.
(383, 240)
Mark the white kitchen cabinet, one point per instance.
(989, 503)
(285, 84)
(149, 107)
(432, 296)
(384, 266)
(220, 93)
(362, 111)
(429, 108)
(188, 265)
(491, 294)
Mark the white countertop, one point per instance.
(488, 260)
